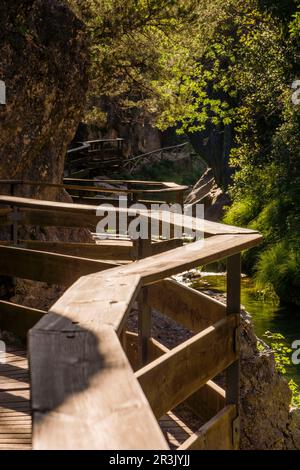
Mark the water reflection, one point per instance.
(267, 314)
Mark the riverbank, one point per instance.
(266, 313)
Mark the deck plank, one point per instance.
(15, 414)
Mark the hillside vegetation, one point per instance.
(223, 64)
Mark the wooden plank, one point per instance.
(188, 307)
(156, 268)
(131, 348)
(12, 384)
(99, 251)
(91, 397)
(175, 430)
(186, 368)
(17, 396)
(18, 319)
(107, 303)
(155, 349)
(214, 435)
(50, 218)
(233, 372)
(48, 267)
(165, 245)
(6, 412)
(205, 403)
(46, 205)
(21, 365)
(205, 226)
(15, 447)
(144, 325)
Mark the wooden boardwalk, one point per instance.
(94, 384)
(15, 413)
(15, 410)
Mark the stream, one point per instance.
(267, 314)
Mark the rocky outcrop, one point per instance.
(266, 419)
(214, 145)
(293, 437)
(208, 193)
(44, 65)
(133, 125)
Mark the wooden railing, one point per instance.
(92, 156)
(133, 163)
(95, 191)
(94, 385)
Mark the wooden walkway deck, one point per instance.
(15, 410)
(93, 384)
(15, 413)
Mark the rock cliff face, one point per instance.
(267, 422)
(43, 62)
(208, 193)
(44, 65)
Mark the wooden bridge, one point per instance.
(89, 158)
(91, 383)
(92, 157)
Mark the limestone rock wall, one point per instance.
(267, 422)
(44, 63)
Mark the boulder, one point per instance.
(265, 395)
(208, 193)
(44, 64)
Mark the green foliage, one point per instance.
(145, 53)
(282, 359)
(190, 64)
(295, 394)
(280, 350)
(279, 268)
(294, 25)
(173, 171)
(266, 187)
(241, 212)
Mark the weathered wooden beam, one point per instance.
(188, 307)
(205, 226)
(17, 318)
(233, 371)
(47, 267)
(165, 245)
(90, 399)
(99, 251)
(91, 305)
(156, 268)
(216, 434)
(50, 218)
(172, 378)
(205, 403)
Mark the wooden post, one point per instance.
(233, 371)
(144, 322)
(144, 311)
(180, 198)
(12, 229)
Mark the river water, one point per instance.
(267, 314)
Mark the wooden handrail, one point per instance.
(84, 393)
(165, 187)
(118, 139)
(84, 146)
(153, 152)
(95, 302)
(174, 219)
